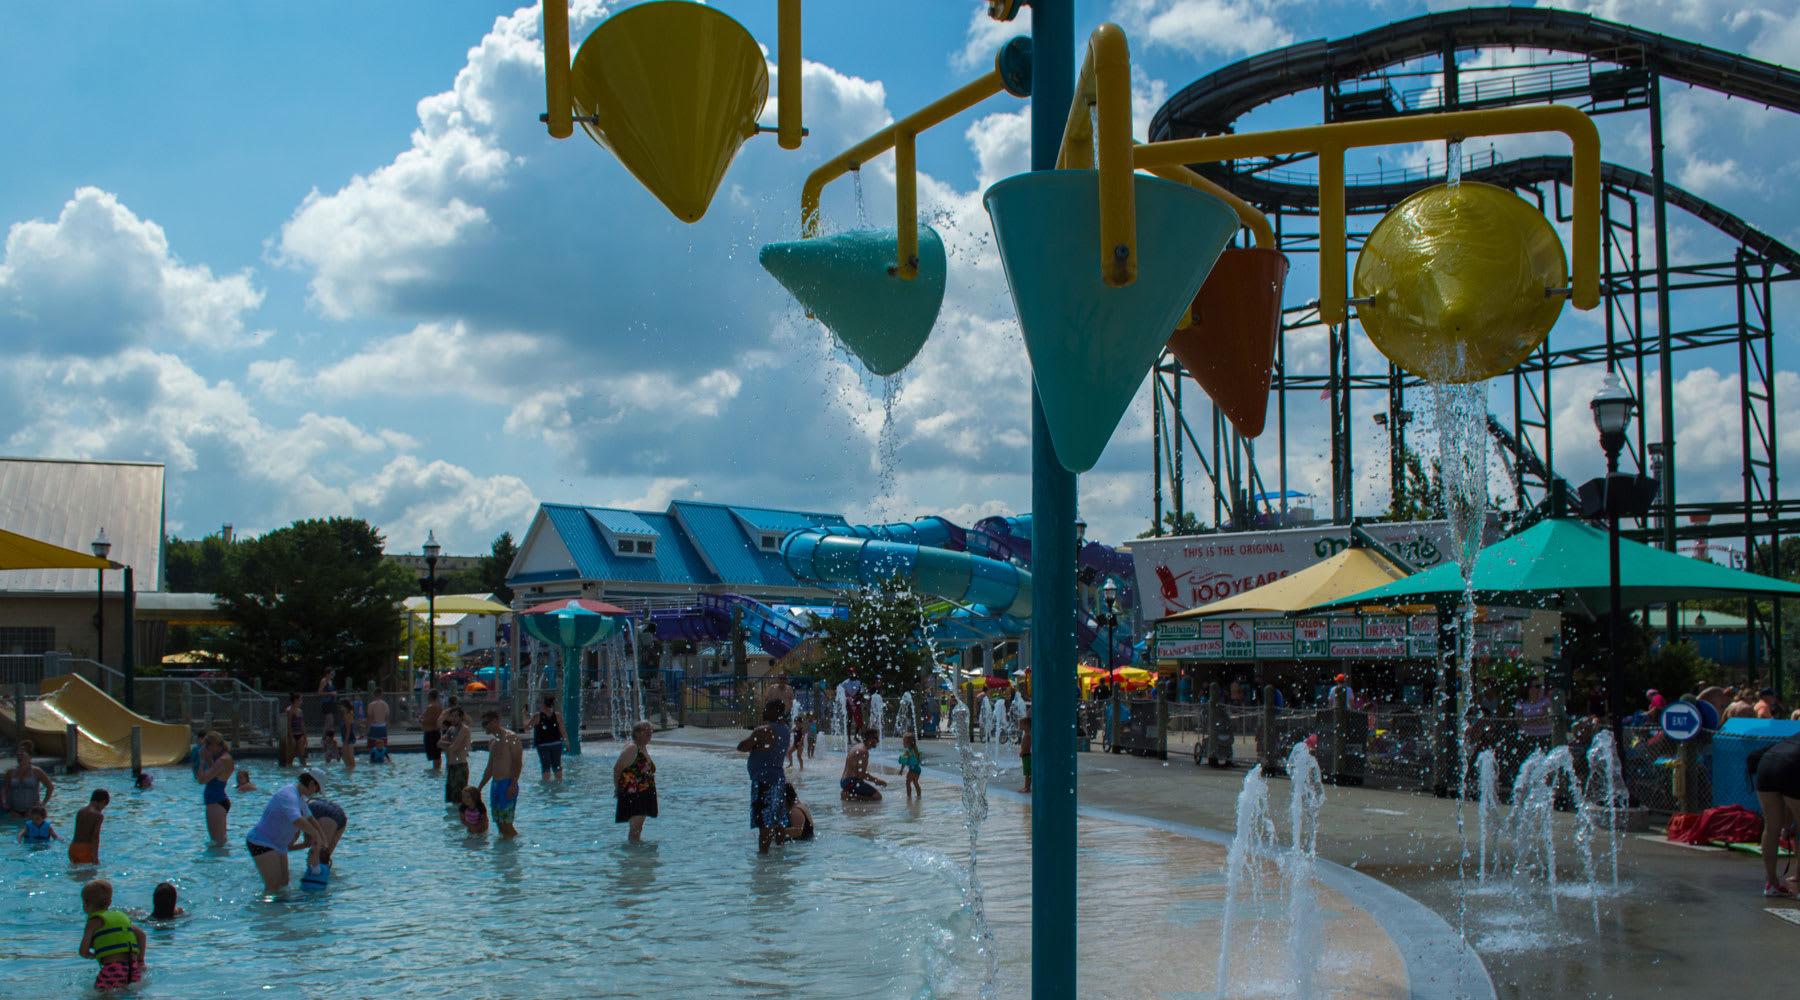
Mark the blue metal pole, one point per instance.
(1053, 686)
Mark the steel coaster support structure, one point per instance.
(1762, 497)
(1614, 69)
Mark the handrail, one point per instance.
(1330, 142)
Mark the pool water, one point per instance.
(418, 908)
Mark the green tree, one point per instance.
(1186, 524)
(878, 643)
(312, 595)
(194, 565)
(424, 649)
(495, 564)
(1422, 490)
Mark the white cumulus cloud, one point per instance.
(99, 278)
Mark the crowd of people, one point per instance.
(297, 817)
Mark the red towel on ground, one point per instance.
(1720, 824)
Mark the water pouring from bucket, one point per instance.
(850, 283)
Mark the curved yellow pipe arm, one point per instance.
(556, 69)
(1260, 231)
(1105, 85)
(899, 137)
(1330, 142)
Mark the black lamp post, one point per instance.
(1613, 407)
(432, 548)
(1110, 592)
(1110, 618)
(101, 547)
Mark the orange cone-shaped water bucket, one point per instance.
(673, 89)
(1230, 346)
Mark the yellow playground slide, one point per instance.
(103, 726)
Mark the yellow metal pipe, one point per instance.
(787, 68)
(1104, 84)
(957, 101)
(1248, 215)
(1331, 141)
(906, 204)
(1331, 235)
(556, 69)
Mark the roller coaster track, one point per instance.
(1519, 173)
(1211, 104)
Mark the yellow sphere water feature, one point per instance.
(1463, 282)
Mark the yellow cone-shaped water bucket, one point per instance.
(1464, 282)
(674, 89)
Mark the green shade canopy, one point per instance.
(1562, 565)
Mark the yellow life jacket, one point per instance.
(115, 936)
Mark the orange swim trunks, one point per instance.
(84, 854)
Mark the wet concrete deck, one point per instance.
(1684, 921)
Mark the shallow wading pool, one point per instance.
(416, 908)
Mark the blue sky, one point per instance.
(320, 258)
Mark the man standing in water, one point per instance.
(457, 739)
(855, 785)
(767, 746)
(429, 722)
(506, 758)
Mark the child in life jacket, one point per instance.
(37, 828)
(111, 939)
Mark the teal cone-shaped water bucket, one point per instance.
(848, 282)
(1091, 345)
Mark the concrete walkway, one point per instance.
(1685, 921)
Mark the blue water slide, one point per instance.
(917, 552)
(712, 617)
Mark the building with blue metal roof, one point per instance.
(636, 558)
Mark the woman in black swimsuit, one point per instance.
(800, 819)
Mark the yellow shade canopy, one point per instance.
(1464, 282)
(23, 552)
(458, 604)
(1351, 571)
(673, 89)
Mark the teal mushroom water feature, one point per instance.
(849, 281)
(571, 626)
(1091, 344)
